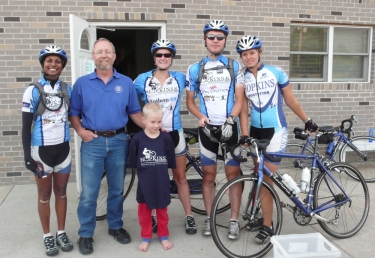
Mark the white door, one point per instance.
(82, 38)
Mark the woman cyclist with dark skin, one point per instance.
(45, 139)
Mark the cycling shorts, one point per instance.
(54, 158)
(208, 150)
(278, 139)
(179, 142)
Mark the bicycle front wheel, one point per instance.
(194, 176)
(345, 219)
(243, 188)
(101, 206)
(365, 165)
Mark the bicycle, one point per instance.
(358, 151)
(194, 175)
(338, 202)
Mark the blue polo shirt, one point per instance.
(101, 106)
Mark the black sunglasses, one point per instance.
(219, 37)
(166, 55)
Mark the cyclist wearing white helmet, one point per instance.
(266, 87)
(165, 87)
(45, 140)
(221, 99)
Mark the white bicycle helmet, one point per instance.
(163, 43)
(53, 50)
(216, 25)
(214, 133)
(248, 42)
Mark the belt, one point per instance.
(107, 133)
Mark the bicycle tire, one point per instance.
(366, 144)
(244, 246)
(293, 167)
(195, 184)
(352, 214)
(101, 206)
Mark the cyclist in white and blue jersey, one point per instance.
(166, 87)
(266, 87)
(45, 140)
(221, 99)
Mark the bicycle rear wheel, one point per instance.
(101, 207)
(347, 219)
(366, 144)
(243, 187)
(195, 179)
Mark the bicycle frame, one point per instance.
(339, 143)
(277, 180)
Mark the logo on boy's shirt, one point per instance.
(150, 158)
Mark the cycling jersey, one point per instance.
(52, 127)
(168, 95)
(216, 91)
(265, 95)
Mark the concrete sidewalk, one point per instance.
(21, 233)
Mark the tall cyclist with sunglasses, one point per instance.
(165, 87)
(45, 140)
(221, 100)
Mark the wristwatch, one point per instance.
(231, 117)
(308, 119)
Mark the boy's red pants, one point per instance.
(144, 216)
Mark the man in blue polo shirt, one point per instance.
(103, 100)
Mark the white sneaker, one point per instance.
(206, 228)
(233, 230)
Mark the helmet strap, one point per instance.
(50, 78)
(51, 82)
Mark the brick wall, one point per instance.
(26, 26)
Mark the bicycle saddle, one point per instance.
(326, 129)
(192, 131)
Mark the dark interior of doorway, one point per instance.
(133, 55)
(132, 46)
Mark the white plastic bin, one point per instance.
(303, 245)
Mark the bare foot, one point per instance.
(143, 246)
(166, 244)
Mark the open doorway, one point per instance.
(133, 54)
(132, 46)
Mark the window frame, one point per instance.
(328, 55)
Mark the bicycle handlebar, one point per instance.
(350, 121)
(257, 144)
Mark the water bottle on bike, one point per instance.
(371, 133)
(305, 179)
(291, 183)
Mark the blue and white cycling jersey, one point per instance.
(216, 91)
(52, 127)
(265, 95)
(168, 95)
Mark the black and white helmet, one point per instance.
(248, 42)
(214, 132)
(216, 25)
(53, 50)
(163, 43)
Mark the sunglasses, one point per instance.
(219, 37)
(166, 55)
